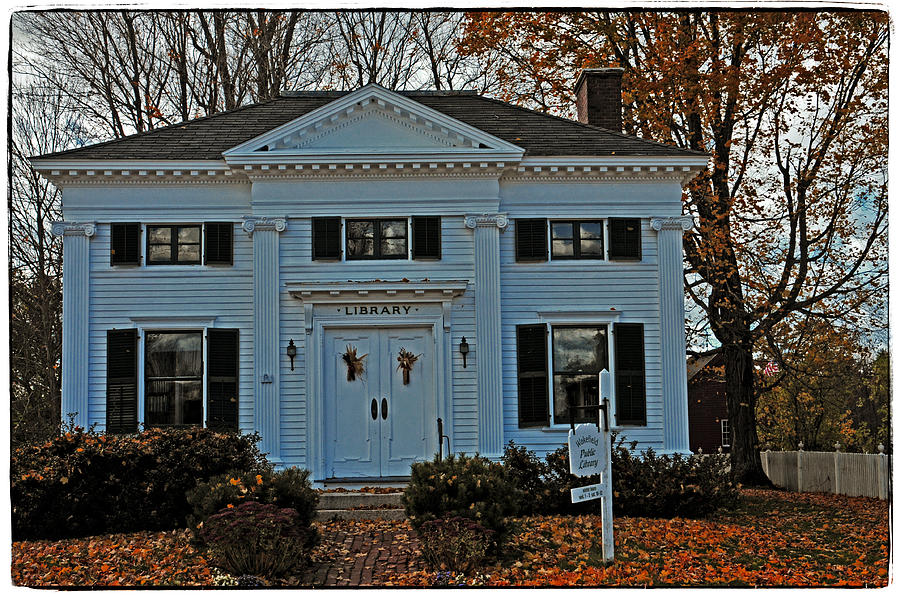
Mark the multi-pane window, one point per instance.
(576, 240)
(726, 433)
(174, 378)
(173, 244)
(377, 239)
(579, 354)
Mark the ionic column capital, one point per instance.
(73, 229)
(683, 223)
(252, 224)
(501, 221)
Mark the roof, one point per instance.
(537, 133)
(696, 364)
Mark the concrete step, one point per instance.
(392, 514)
(355, 499)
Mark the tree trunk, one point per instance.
(746, 465)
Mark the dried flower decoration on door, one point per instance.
(406, 360)
(355, 364)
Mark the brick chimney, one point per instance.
(598, 97)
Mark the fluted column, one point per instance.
(671, 320)
(76, 305)
(487, 229)
(266, 351)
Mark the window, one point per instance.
(576, 240)
(726, 433)
(169, 245)
(579, 354)
(174, 378)
(377, 239)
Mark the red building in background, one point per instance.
(707, 409)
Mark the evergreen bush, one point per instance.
(471, 487)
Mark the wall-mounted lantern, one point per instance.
(291, 352)
(464, 350)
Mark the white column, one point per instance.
(672, 342)
(266, 351)
(75, 322)
(488, 361)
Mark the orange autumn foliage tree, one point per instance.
(791, 216)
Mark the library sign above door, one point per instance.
(395, 300)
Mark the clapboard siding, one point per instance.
(118, 294)
(156, 203)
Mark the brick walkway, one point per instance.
(360, 553)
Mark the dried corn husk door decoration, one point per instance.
(406, 360)
(355, 365)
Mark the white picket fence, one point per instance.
(867, 475)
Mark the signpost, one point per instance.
(589, 454)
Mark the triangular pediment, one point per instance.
(373, 122)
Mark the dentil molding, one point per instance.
(252, 224)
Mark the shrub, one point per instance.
(528, 473)
(256, 539)
(288, 488)
(81, 483)
(458, 544)
(470, 487)
(643, 485)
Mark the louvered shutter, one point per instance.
(631, 393)
(125, 244)
(121, 381)
(531, 240)
(426, 232)
(222, 384)
(531, 356)
(625, 238)
(326, 238)
(219, 243)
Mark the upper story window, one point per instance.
(168, 245)
(416, 237)
(377, 239)
(211, 243)
(576, 239)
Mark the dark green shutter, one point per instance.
(426, 231)
(326, 238)
(531, 356)
(631, 391)
(125, 244)
(625, 238)
(121, 381)
(219, 243)
(531, 240)
(222, 384)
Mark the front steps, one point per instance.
(355, 505)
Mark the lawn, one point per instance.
(773, 539)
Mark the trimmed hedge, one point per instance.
(81, 483)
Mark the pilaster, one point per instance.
(672, 342)
(266, 351)
(76, 320)
(488, 355)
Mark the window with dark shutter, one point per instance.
(222, 384)
(326, 238)
(531, 355)
(121, 381)
(531, 240)
(631, 394)
(426, 232)
(625, 238)
(219, 243)
(125, 244)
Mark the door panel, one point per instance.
(381, 438)
(354, 437)
(411, 420)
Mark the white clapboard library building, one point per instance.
(339, 270)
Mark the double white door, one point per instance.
(376, 422)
